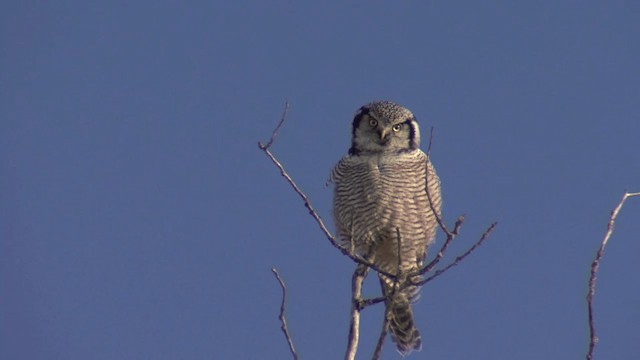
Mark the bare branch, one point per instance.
(368, 302)
(275, 131)
(595, 265)
(450, 236)
(283, 320)
(356, 306)
(307, 202)
(430, 141)
(433, 209)
(458, 259)
(383, 335)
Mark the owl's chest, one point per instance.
(379, 194)
(386, 182)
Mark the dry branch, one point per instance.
(283, 319)
(595, 265)
(458, 259)
(450, 236)
(383, 334)
(307, 202)
(356, 306)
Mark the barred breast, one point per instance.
(375, 196)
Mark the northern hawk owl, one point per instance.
(381, 192)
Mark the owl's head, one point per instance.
(383, 126)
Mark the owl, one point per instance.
(381, 207)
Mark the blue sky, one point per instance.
(139, 220)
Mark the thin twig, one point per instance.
(383, 335)
(368, 302)
(409, 282)
(433, 209)
(307, 202)
(450, 236)
(458, 259)
(430, 141)
(275, 131)
(356, 306)
(595, 265)
(283, 320)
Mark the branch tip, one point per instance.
(275, 131)
(595, 265)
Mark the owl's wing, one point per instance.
(342, 222)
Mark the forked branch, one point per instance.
(307, 202)
(459, 258)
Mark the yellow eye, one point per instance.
(373, 122)
(397, 127)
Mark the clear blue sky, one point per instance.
(138, 219)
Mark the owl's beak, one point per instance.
(383, 133)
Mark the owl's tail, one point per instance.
(401, 326)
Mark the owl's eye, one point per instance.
(397, 127)
(373, 122)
